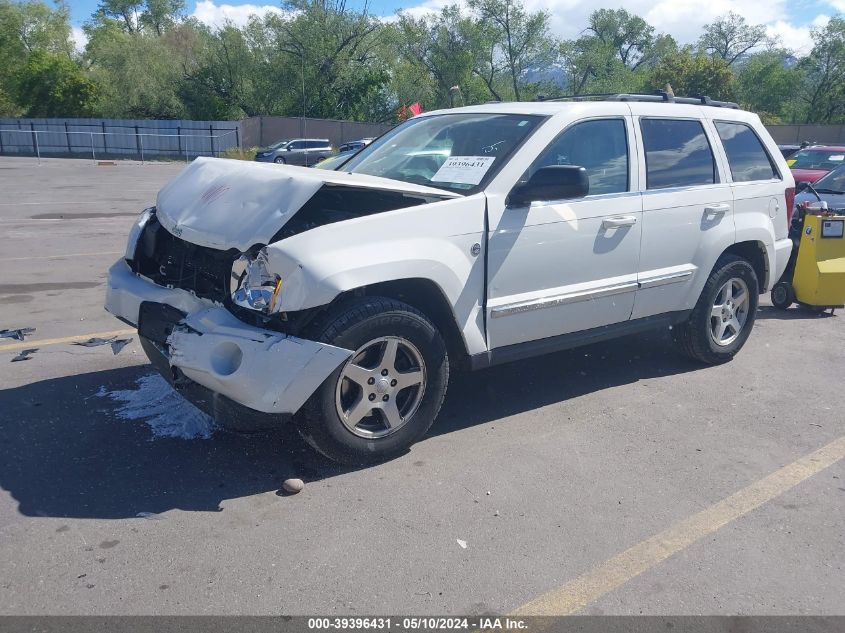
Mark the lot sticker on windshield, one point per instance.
(836, 157)
(466, 170)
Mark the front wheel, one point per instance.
(724, 315)
(388, 393)
(279, 161)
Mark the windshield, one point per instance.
(333, 162)
(834, 182)
(817, 159)
(459, 152)
(278, 145)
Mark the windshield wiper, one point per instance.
(822, 190)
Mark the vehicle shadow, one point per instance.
(505, 390)
(64, 453)
(791, 314)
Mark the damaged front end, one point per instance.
(244, 376)
(197, 284)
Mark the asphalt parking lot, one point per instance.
(614, 479)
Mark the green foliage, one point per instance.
(247, 153)
(691, 73)
(322, 58)
(51, 85)
(823, 89)
(766, 84)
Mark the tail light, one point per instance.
(789, 194)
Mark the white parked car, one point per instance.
(461, 238)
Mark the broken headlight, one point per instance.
(136, 231)
(253, 285)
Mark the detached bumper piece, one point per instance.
(216, 360)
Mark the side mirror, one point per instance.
(289, 148)
(555, 182)
(801, 186)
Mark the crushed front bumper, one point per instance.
(203, 343)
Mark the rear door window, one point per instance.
(747, 157)
(677, 154)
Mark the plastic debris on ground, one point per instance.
(463, 544)
(155, 402)
(117, 344)
(25, 354)
(96, 341)
(18, 334)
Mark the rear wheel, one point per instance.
(782, 295)
(388, 393)
(724, 315)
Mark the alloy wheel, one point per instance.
(380, 387)
(729, 312)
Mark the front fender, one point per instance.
(433, 242)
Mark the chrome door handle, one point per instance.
(717, 209)
(616, 222)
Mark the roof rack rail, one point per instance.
(660, 96)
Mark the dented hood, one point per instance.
(225, 204)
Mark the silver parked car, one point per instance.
(297, 151)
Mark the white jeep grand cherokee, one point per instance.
(461, 238)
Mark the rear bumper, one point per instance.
(263, 370)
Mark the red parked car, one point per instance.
(813, 162)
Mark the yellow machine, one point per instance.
(816, 275)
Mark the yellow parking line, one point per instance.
(64, 339)
(609, 575)
(20, 259)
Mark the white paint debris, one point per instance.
(166, 412)
(463, 544)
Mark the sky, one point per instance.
(790, 20)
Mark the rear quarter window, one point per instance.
(747, 157)
(677, 153)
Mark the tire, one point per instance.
(279, 160)
(713, 317)
(783, 295)
(376, 328)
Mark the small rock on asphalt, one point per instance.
(293, 485)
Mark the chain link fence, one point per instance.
(151, 140)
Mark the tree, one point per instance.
(614, 52)
(27, 27)
(823, 91)
(629, 36)
(730, 37)
(138, 75)
(438, 45)
(766, 84)
(161, 15)
(127, 12)
(336, 53)
(693, 74)
(138, 15)
(51, 85)
(523, 37)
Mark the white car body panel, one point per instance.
(223, 203)
(537, 285)
(432, 242)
